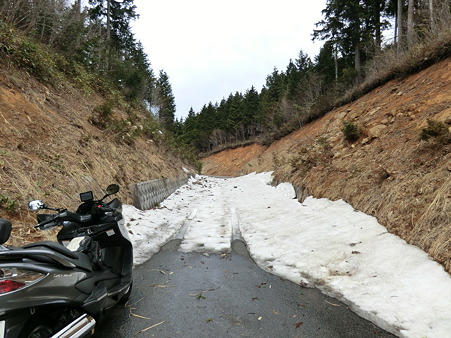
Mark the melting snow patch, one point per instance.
(326, 244)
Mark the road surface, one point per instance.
(226, 295)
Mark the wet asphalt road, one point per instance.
(194, 295)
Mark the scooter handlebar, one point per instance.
(60, 217)
(105, 209)
(42, 225)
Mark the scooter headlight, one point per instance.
(12, 279)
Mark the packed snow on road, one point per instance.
(318, 243)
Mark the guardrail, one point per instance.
(149, 194)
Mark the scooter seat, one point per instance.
(79, 259)
(54, 246)
(5, 230)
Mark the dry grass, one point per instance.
(391, 64)
(432, 231)
(50, 151)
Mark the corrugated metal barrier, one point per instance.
(149, 194)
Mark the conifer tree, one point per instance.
(297, 71)
(116, 15)
(164, 101)
(326, 63)
(353, 27)
(252, 112)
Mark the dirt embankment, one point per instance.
(50, 151)
(388, 172)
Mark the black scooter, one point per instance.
(50, 289)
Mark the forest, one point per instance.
(94, 45)
(353, 60)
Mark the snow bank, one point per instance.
(326, 244)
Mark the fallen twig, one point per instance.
(150, 327)
(163, 286)
(138, 316)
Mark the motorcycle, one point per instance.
(62, 289)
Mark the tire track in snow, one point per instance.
(211, 230)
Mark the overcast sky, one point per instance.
(210, 48)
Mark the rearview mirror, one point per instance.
(112, 189)
(36, 205)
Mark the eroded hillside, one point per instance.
(388, 172)
(50, 150)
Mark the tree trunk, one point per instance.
(108, 35)
(410, 28)
(378, 33)
(357, 63)
(108, 20)
(336, 62)
(77, 9)
(399, 42)
(431, 14)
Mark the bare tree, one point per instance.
(15, 13)
(39, 17)
(439, 14)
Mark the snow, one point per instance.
(318, 243)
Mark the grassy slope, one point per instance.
(50, 150)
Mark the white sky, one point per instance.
(210, 49)
(329, 245)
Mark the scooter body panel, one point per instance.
(73, 289)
